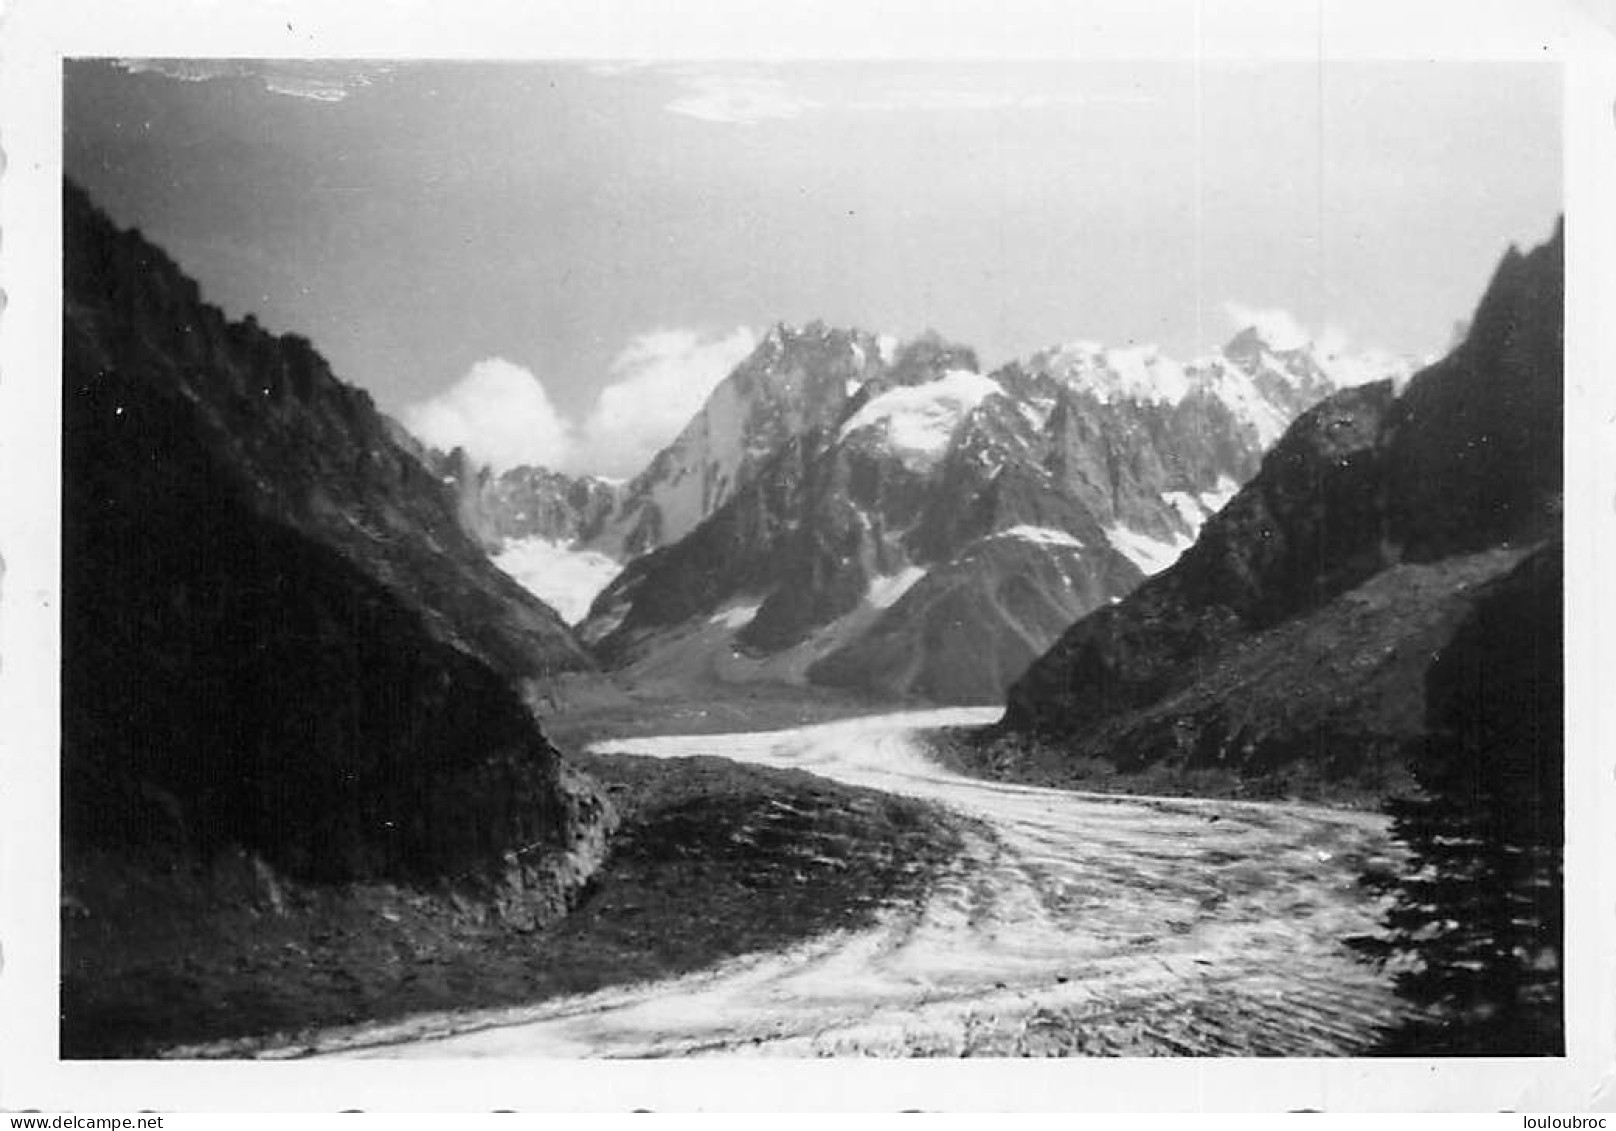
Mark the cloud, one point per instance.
(937, 98)
(503, 416)
(740, 98)
(659, 381)
(311, 86)
(748, 95)
(183, 70)
(612, 68)
(317, 79)
(500, 413)
(985, 98)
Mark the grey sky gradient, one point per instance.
(417, 219)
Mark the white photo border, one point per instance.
(36, 35)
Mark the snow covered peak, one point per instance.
(918, 421)
(1290, 353)
(1287, 356)
(1136, 373)
(1265, 376)
(1237, 390)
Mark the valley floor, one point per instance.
(579, 710)
(1068, 923)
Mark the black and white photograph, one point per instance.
(581, 555)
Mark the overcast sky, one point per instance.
(559, 260)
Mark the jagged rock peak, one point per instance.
(1251, 342)
(928, 356)
(795, 381)
(783, 337)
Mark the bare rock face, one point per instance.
(797, 379)
(276, 637)
(1316, 597)
(497, 508)
(1252, 561)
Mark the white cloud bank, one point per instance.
(659, 382)
(500, 413)
(503, 416)
(747, 95)
(738, 98)
(323, 80)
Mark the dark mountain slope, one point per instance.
(295, 444)
(273, 642)
(1474, 448)
(228, 681)
(1457, 476)
(1480, 911)
(1279, 547)
(970, 626)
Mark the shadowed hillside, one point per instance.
(1286, 649)
(278, 647)
(1478, 919)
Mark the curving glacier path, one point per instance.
(1076, 924)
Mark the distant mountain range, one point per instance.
(891, 519)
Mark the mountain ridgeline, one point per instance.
(522, 502)
(795, 380)
(924, 529)
(276, 636)
(1290, 643)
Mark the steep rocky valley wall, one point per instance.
(277, 641)
(1290, 643)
